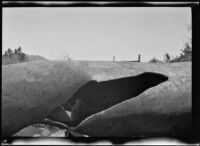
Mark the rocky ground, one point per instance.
(40, 131)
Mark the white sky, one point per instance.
(97, 33)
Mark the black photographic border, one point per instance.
(194, 5)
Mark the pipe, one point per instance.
(163, 110)
(94, 96)
(31, 91)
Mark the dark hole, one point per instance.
(96, 96)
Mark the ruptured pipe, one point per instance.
(33, 91)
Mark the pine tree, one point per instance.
(10, 52)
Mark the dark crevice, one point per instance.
(96, 96)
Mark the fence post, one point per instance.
(139, 57)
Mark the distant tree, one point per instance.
(19, 50)
(167, 57)
(189, 37)
(154, 60)
(15, 51)
(22, 57)
(186, 54)
(6, 53)
(11, 57)
(10, 52)
(187, 49)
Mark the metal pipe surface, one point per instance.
(163, 110)
(33, 90)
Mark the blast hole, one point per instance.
(96, 96)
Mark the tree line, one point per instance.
(185, 55)
(12, 57)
